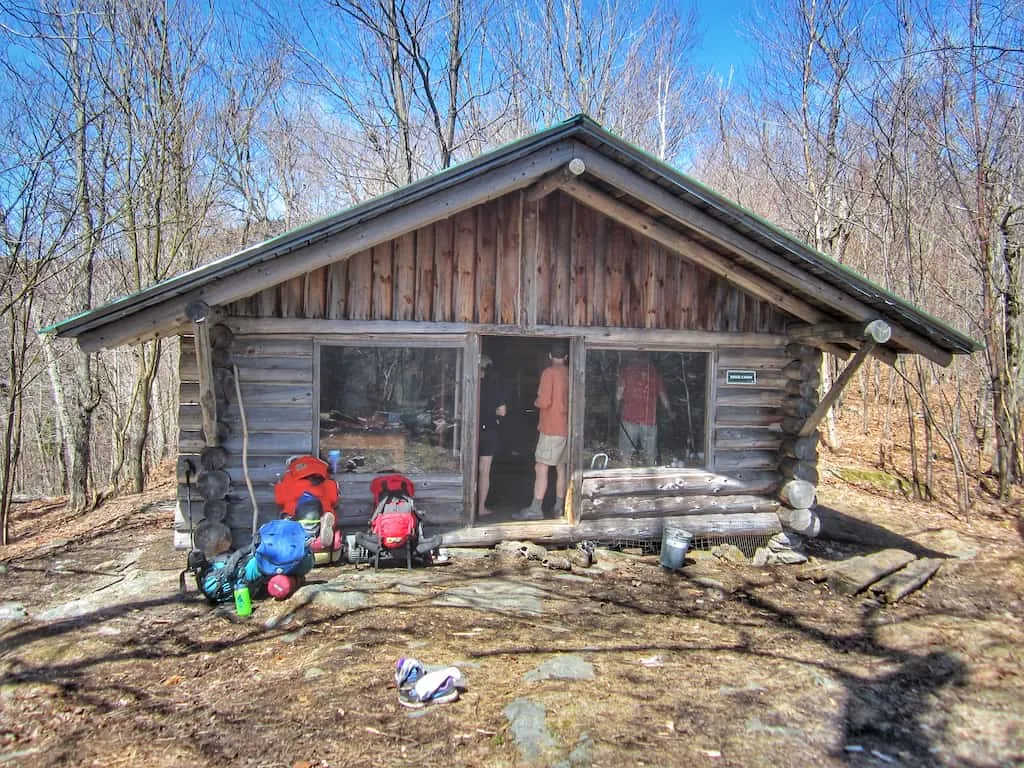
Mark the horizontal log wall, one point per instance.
(746, 432)
(562, 264)
(275, 377)
(276, 381)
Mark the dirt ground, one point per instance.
(718, 665)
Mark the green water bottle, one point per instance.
(243, 601)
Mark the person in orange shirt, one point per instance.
(553, 404)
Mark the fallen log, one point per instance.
(852, 576)
(645, 506)
(898, 585)
(552, 532)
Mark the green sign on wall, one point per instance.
(741, 377)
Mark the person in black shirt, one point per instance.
(492, 411)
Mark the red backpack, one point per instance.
(394, 519)
(305, 474)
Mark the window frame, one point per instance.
(610, 345)
(459, 342)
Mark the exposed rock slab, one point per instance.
(562, 667)
(497, 595)
(529, 731)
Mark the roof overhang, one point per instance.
(631, 185)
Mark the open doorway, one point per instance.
(516, 366)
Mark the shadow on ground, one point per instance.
(840, 525)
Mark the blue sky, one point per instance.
(724, 45)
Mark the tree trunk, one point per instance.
(148, 366)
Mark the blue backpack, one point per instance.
(281, 547)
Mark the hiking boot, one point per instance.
(327, 531)
(559, 509)
(442, 696)
(437, 687)
(407, 672)
(532, 512)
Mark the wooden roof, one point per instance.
(614, 176)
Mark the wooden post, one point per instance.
(577, 405)
(469, 420)
(199, 312)
(837, 387)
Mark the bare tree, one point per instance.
(982, 135)
(631, 72)
(31, 233)
(250, 77)
(58, 36)
(157, 109)
(809, 140)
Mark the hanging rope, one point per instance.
(245, 452)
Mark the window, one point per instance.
(645, 409)
(396, 406)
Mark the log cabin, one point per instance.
(363, 333)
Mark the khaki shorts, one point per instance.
(551, 450)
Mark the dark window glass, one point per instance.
(396, 406)
(645, 409)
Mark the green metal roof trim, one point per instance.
(593, 135)
(307, 233)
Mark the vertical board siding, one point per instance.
(582, 250)
(360, 278)
(337, 289)
(464, 298)
(486, 263)
(595, 271)
(293, 294)
(508, 239)
(424, 275)
(316, 293)
(561, 264)
(382, 283)
(543, 274)
(405, 277)
(528, 264)
(444, 269)
(549, 262)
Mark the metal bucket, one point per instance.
(674, 544)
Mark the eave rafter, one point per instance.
(783, 272)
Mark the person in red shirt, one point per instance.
(638, 391)
(553, 403)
